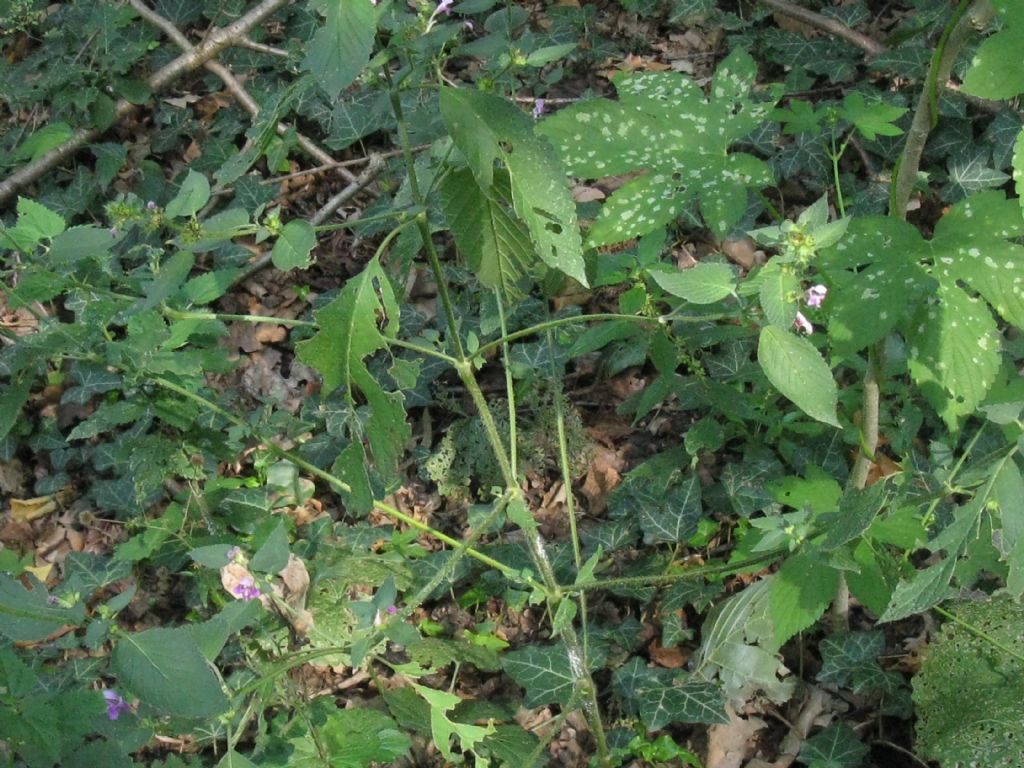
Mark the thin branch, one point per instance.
(358, 183)
(236, 88)
(218, 40)
(834, 27)
(252, 45)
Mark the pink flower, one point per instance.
(803, 324)
(815, 295)
(445, 7)
(116, 706)
(246, 590)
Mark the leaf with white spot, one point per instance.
(864, 307)
(953, 352)
(1018, 168)
(544, 672)
(664, 125)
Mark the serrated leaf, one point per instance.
(969, 693)
(356, 325)
(835, 747)
(106, 417)
(953, 353)
(799, 372)
(857, 510)
(26, 615)
(926, 589)
(663, 124)
(37, 222)
(544, 672)
(801, 592)
(495, 245)
(165, 668)
(341, 48)
(210, 286)
(293, 246)
(192, 196)
(701, 284)
(486, 129)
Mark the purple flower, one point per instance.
(246, 590)
(151, 206)
(538, 108)
(803, 324)
(392, 610)
(815, 295)
(445, 7)
(116, 705)
(233, 553)
(113, 232)
(53, 600)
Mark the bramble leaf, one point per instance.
(486, 129)
(353, 327)
(995, 71)
(294, 245)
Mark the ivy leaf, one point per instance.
(341, 48)
(544, 673)
(798, 371)
(844, 655)
(693, 701)
(166, 669)
(701, 284)
(486, 128)
(872, 120)
(835, 747)
(353, 327)
(293, 246)
(801, 592)
(495, 245)
(192, 196)
(663, 124)
(969, 171)
(662, 497)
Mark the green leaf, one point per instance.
(995, 71)
(341, 48)
(50, 136)
(693, 701)
(797, 370)
(273, 555)
(799, 117)
(26, 615)
(1018, 168)
(294, 245)
(442, 728)
(662, 496)
(495, 245)
(486, 128)
(926, 589)
(165, 668)
(106, 417)
(544, 672)
(37, 221)
(835, 747)
(953, 352)
(13, 397)
(969, 694)
(663, 124)
(778, 294)
(353, 327)
(872, 120)
(701, 284)
(857, 510)
(970, 171)
(192, 196)
(547, 54)
(739, 644)
(801, 592)
(210, 286)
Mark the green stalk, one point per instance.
(977, 631)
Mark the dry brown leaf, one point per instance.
(26, 510)
(603, 474)
(670, 658)
(730, 745)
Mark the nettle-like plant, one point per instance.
(127, 346)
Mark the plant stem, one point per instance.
(182, 314)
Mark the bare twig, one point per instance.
(358, 183)
(834, 27)
(252, 45)
(217, 41)
(236, 88)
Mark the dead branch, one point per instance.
(834, 27)
(216, 41)
(236, 88)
